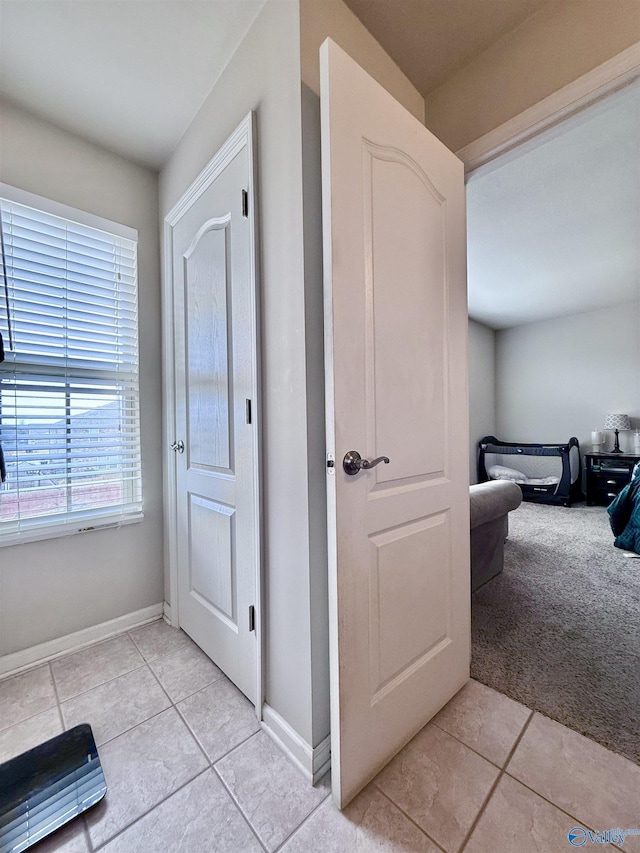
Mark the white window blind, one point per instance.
(69, 399)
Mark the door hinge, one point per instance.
(252, 618)
(245, 203)
(248, 411)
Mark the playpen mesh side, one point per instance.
(530, 466)
(534, 462)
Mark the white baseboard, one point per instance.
(166, 613)
(18, 661)
(321, 759)
(313, 762)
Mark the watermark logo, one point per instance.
(578, 836)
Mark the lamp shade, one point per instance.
(617, 422)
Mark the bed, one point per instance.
(546, 473)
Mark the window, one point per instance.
(69, 400)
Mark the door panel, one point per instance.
(207, 291)
(403, 594)
(395, 295)
(217, 475)
(211, 562)
(398, 249)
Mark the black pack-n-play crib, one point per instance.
(546, 473)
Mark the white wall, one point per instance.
(560, 377)
(53, 588)
(482, 390)
(264, 75)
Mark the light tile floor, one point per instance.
(189, 770)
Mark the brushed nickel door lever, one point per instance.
(353, 462)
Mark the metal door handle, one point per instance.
(353, 462)
(178, 446)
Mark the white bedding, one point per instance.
(501, 472)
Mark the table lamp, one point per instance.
(617, 422)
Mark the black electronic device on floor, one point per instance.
(46, 787)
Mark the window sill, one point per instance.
(70, 529)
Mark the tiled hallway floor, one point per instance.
(189, 770)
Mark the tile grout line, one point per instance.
(239, 808)
(166, 654)
(144, 664)
(296, 828)
(174, 705)
(236, 746)
(136, 645)
(130, 729)
(151, 810)
(58, 703)
(30, 717)
(192, 732)
(102, 683)
(135, 725)
(85, 827)
(455, 737)
(189, 695)
(300, 825)
(408, 817)
(65, 654)
(160, 685)
(493, 788)
(87, 837)
(577, 820)
(43, 710)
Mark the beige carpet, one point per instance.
(559, 629)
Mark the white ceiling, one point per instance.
(127, 74)
(554, 227)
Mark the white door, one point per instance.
(216, 384)
(396, 362)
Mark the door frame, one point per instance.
(614, 74)
(244, 136)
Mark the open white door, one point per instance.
(396, 366)
(217, 485)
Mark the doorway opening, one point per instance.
(554, 304)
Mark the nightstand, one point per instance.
(607, 475)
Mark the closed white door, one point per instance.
(396, 366)
(216, 383)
